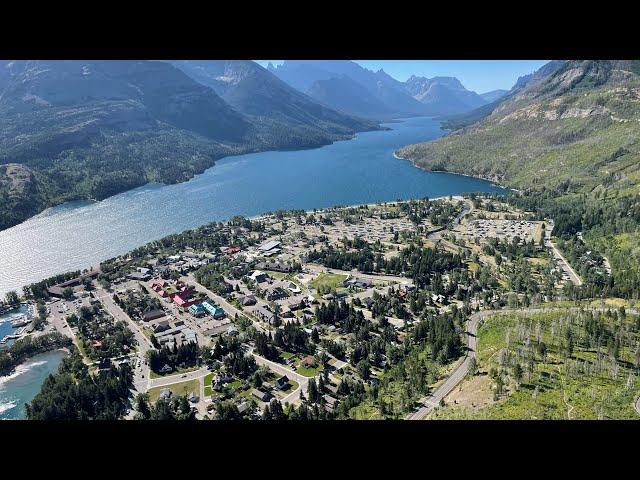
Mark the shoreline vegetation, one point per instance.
(185, 176)
(495, 181)
(27, 347)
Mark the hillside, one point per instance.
(570, 140)
(91, 129)
(493, 95)
(578, 126)
(280, 109)
(349, 96)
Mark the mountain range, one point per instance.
(89, 129)
(574, 123)
(346, 86)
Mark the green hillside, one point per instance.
(570, 142)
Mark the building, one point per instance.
(276, 267)
(274, 293)
(268, 246)
(260, 395)
(246, 300)
(358, 283)
(142, 275)
(197, 310)
(282, 383)
(259, 276)
(152, 315)
(308, 362)
(263, 313)
(214, 310)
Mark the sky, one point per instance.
(478, 75)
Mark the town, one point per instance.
(348, 312)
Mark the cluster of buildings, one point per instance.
(176, 336)
(178, 292)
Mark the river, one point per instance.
(362, 170)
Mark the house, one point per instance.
(152, 315)
(243, 407)
(231, 250)
(357, 282)
(293, 287)
(259, 276)
(165, 394)
(282, 383)
(263, 313)
(274, 293)
(308, 362)
(276, 267)
(246, 300)
(260, 395)
(329, 402)
(295, 303)
(160, 325)
(140, 276)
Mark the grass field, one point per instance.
(308, 372)
(590, 384)
(328, 281)
(182, 388)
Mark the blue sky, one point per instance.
(478, 75)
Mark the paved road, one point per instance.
(303, 381)
(178, 378)
(573, 276)
(141, 370)
(433, 400)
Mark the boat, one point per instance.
(20, 322)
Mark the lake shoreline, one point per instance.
(478, 177)
(198, 172)
(362, 171)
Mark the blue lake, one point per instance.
(363, 170)
(24, 383)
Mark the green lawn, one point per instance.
(328, 281)
(286, 355)
(182, 388)
(308, 372)
(292, 386)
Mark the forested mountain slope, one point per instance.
(90, 129)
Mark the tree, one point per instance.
(67, 293)
(518, 373)
(473, 367)
(12, 298)
(312, 391)
(142, 405)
